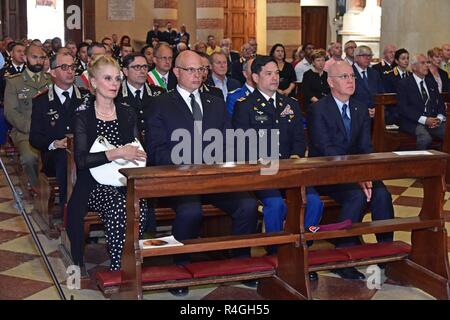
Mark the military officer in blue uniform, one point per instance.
(391, 80)
(243, 92)
(52, 118)
(266, 109)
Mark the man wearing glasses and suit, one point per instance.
(52, 118)
(188, 109)
(340, 125)
(162, 75)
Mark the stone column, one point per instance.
(165, 11)
(284, 24)
(415, 25)
(210, 19)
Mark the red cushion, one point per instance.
(228, 267)
(376, 250)
(107, 279)
(164, 273)
(316, 257)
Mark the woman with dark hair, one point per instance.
(399, 72)
(100, 116)
(287, 72)
(125, 40)
(315, 85)
(436, 73)
(147, 51)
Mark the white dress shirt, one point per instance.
(301, 68)
(133, 90)
(62, 98)
(186, 97)
(423, 119)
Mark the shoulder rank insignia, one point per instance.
(12, 76)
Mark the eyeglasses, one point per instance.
(345, 76)
(139, 67)
(65, 67)
(366, 55)
(192, 71)
(164, 58)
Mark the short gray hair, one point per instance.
(414, 59)
(363, 51)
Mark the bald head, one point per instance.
(189, 70)
(341, 79)
(185, 57)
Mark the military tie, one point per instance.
(425, 97)
(36, 78)
(347, 121)
(271, 102)
(19, 70)
(196, 110)
(404, 75)
(137, 97)
(66, 103)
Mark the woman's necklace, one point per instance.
(105, 115)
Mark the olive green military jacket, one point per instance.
(19, 92)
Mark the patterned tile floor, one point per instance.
(23, 274)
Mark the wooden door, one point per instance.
(315, 26)
(13, 18)
(240, 21)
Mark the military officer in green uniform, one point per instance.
(19, 92)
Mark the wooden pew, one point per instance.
(215, 223)
(45, 213)
(423, 265)
(391, 140)
(385, 140)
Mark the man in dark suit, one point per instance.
(52, 118)
(135, 90)
(154, 33)
(421, 106)
(218, 77)
(237, 68)
(170, 35)
(386, 64)
(187, 109)
(183, 34)
(340, 125)
(162, 75)
(15, 66)
(368, 81)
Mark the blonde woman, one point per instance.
(117, 123)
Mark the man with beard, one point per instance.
(20, 90)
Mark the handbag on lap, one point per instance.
(108, 174)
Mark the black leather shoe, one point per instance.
(349, 273)
(179, 292)
(250, 283)
(313, 276)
